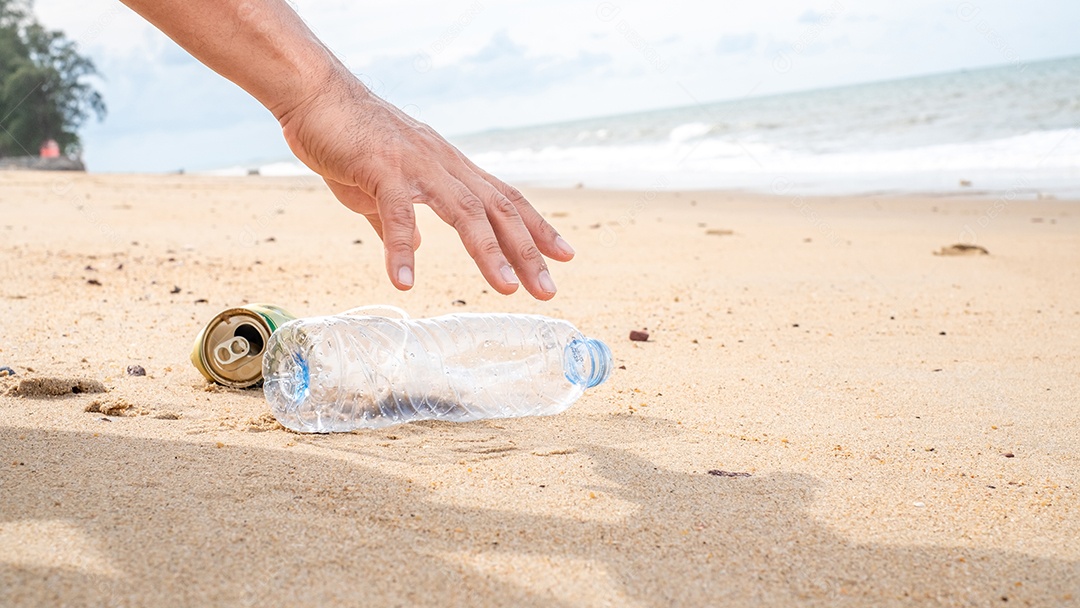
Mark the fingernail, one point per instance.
(405, 276)
(545, 281)
(563, 246)
(508, 274)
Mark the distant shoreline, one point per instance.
(34, 163)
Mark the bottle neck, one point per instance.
(587, 362)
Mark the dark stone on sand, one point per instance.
(638, 336)
(719, 473)
(136, 370)
(962, 249)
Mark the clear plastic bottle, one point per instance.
(340, 373)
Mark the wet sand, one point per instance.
(825, 412)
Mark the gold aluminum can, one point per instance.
(229, 350)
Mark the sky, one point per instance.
(470, 65)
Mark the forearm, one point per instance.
(261, 45)
(375, 159)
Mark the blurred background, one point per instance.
(828, 96)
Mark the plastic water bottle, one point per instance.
(340, 373)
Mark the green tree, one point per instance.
(44, 93)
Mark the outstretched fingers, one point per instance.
(545, 236)
(460, 207)
(506, 237)
(515, 239)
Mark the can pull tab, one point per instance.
(232, 349)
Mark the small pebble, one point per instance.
(93, 282)
(6, 371)
(175, 289)
(458, 302)
(136, 370)
(202, 301)
(358, 242)
(638, 336)
(1009, 455)
(919, 504)
(622, 367)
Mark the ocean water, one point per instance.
(1013, 128)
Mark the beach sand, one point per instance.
(909, 422)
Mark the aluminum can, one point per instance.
(229, 350)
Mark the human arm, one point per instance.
(375, 159)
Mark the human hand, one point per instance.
(379, 162)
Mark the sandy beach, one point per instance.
(826, 412)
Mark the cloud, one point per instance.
(467, 66)
(501, 68)
(811, 16)
(733, 44)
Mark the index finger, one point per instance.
(398, 228)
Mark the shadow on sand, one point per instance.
(247, 526)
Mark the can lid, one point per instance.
(232, 347)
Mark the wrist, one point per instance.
(310, 72)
